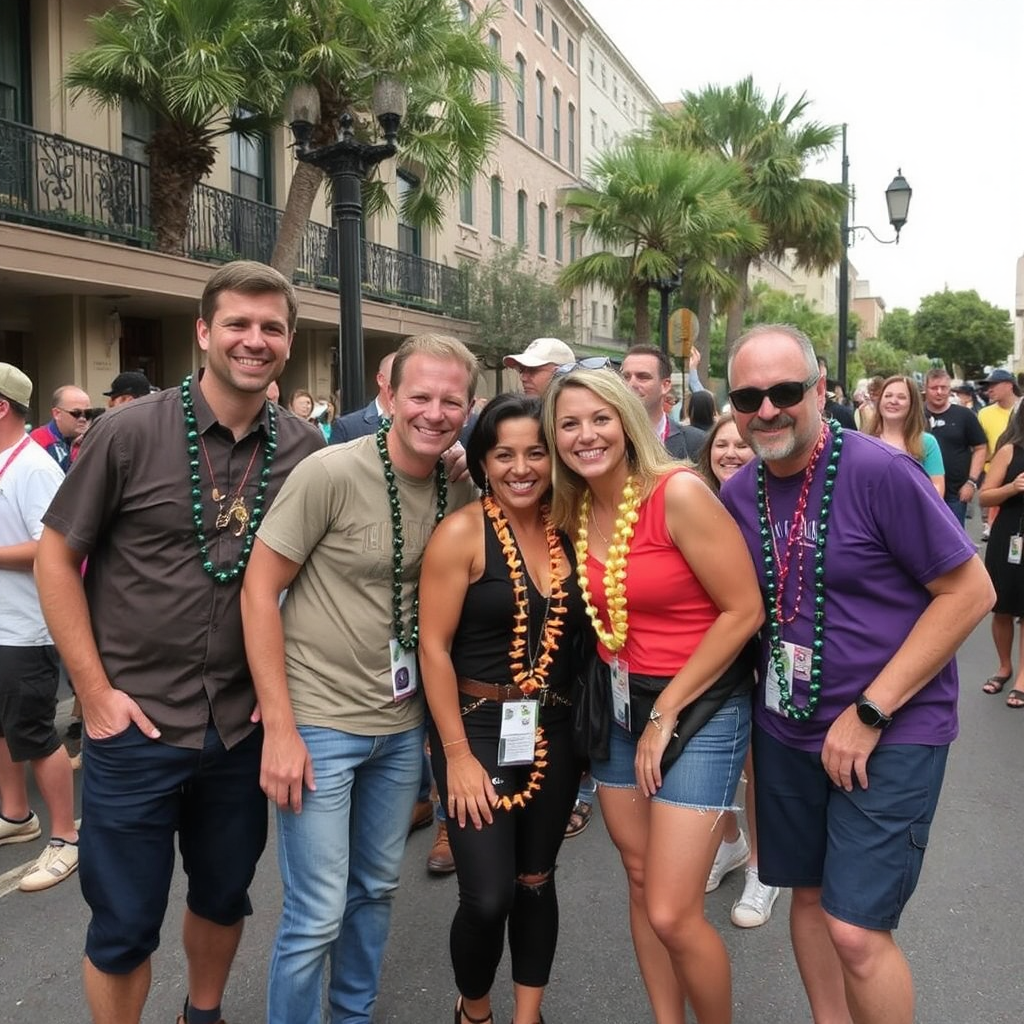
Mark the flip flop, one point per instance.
(995, 684)
(1015, 699)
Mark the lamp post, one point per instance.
(346, 162)
(666, 286)
(897, 201)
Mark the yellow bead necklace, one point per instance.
(614, 638)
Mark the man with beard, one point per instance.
(164, 501)
(871, 587)
(336, 675)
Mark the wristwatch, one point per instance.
(871, 714)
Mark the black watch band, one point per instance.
(871, 714)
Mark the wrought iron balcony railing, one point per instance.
(50, 181)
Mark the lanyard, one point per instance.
(17, 451)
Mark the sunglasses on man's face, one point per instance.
(783, 396)
(76, 414)
(590, 363)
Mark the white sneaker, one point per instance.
(729, 857)
(19, 831)
(754, 907)
(55, 863)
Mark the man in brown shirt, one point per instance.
(165, 500)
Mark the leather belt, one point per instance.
(508, 691)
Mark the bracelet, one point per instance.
(972, 482)
(451, 743)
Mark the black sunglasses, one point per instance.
(590, 363)
(782, 396)
(76, 414)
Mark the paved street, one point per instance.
(962, 933)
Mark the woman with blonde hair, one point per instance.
(673, 664)
(899, 422)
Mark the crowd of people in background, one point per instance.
(496, 614)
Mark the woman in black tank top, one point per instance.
(499, 610)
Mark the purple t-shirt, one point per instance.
(889, 535)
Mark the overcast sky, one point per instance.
(932, 86)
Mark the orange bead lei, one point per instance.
(530, 674)
(613, 638)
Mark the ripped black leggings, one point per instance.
(492, 863)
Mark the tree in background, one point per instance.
(193, 64)
(342, 48)
(768, 305)
(513, 306)
(897, 329)
(771, 145)
(964, 331)
(880, 359)
(651, 208)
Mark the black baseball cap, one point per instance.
(131, 382)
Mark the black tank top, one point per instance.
(484, 634)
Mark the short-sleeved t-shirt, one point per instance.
(994, 419)
(932, 457)
(333, 518)
(889, 535)
(168, 634)
(27, 487)
(958, 432)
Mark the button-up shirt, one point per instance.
(168, 634)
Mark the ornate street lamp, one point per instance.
(347, 162)
(897, 200)
(666, 286)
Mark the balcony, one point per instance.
(52, 182)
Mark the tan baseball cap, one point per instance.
(15, 385)
(540, 352)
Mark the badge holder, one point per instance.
(518, 737)
(620, 692)
(405, 677)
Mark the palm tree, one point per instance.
(650, 209)
(192, 63)
(342, 47)
(771, 145)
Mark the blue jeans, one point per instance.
(340, 859)
(958, 508)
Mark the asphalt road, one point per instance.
(961, 933)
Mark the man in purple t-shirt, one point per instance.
(870, 586)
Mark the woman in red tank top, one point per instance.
(673, 599)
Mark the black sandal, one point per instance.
(461, 1015)
(579, 819)
(995, 684)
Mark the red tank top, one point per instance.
(669, 611)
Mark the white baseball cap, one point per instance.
(540, 352)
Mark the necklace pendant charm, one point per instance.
(223, 518)
(216, 495)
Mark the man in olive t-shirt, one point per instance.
(335, 672)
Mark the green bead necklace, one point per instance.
(258, 504)
(800, 714)
(406, 640)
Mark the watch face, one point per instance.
(871, 715)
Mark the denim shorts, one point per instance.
(863, 849)
(707, 772)
(136, 794)
(29, 677)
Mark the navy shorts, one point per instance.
(136, 794)
(29, 677)
(863, 849)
